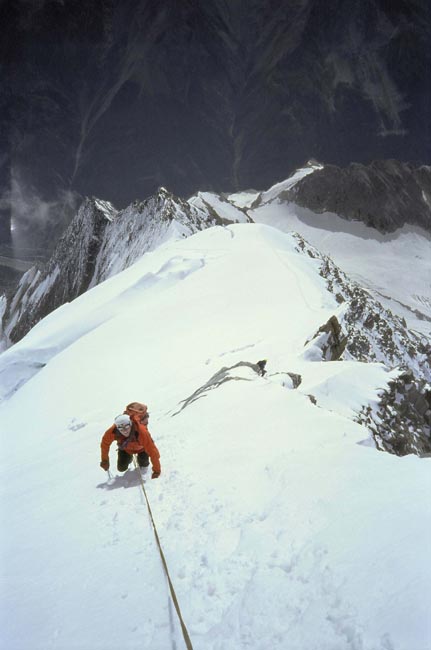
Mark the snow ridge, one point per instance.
(281, 523)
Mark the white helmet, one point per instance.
(123, 424)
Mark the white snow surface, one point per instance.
(287, 184)
(396, 267)
(243, 199)
(282, 526)
(230, 210)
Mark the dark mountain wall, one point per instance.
(385, 195)
(114, 99)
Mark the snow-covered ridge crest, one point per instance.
(99, 242)
(166, 265)
(356, 328)
(239, 205)
(280, 190)
(275, 512)
(366, 330)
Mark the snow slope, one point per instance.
(282, 526)
(226, 209)
(395, 267)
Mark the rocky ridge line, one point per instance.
(366, 331)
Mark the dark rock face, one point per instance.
(402, 422)
(115, 99)
(331, 339)
(384, 195)
(222, 376)
(9, 278)
(373, 332)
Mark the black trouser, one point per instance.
(124, 460)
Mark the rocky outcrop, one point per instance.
(290, 380)
(401, 424)
(365, 331)
(384, 195)
(241, 371)
(373, 332)
(331, 339)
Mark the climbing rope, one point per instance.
(165, 565)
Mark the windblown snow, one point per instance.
(283, 527)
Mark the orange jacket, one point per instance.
(139, 440)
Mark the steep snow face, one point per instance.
(144, 226)
(230, 211)
(281, 523)
(279, 188)
(360, 328)
(99, 243)
(59, 329)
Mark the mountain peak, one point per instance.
(101, 207)
(99, 242)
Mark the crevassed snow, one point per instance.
(281, 527)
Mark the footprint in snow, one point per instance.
(75, 425)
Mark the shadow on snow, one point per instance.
(130, 478)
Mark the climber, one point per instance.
(132, 437)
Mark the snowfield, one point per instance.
(283, 527)
(395, 267)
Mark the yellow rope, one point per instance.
(165, 566)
